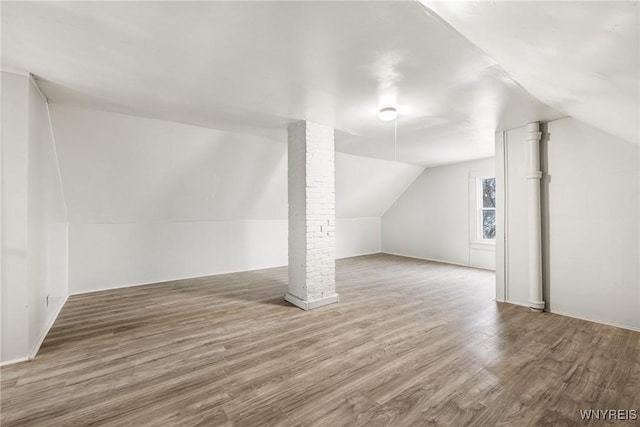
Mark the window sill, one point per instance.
(486, 245)
(484, 242)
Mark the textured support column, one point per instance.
(535, 230)
(311, 216)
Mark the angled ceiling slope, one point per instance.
(252, 67)
(581, 58)
(118, 168)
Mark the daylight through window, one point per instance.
(487, 209)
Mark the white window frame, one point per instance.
(480, 209)
(476, 240)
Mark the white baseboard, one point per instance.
(43, 335)
(362, 254)
(11, 362)
(521, 304)
(439, 260)
(560, 313)
(308, 305)
(109, 288)
(46, 330)
(615, 325)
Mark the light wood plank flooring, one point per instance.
(412, 343)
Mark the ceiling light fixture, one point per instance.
(387, 114)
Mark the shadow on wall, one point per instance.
(252, 193)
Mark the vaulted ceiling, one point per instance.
(581, 58)
(456, 71)
(118, 168)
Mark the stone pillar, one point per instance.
(311, 216)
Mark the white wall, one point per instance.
(501, 214)
(593, 224)
(47, 223)
(151, 200)
(432, 218)
(34, 227)
(516, 252)
(15, 143)
(104, 256)
(591, 209)
(365, 189)
(357, 236)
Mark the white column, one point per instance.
(534, 175)
(311, 216)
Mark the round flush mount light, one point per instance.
(387, 114)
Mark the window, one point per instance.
(487, 208)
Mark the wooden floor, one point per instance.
(411, 343)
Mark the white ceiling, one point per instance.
(582, 58)
(252, 67)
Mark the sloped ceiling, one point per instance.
(252, 67)
(123, 169)
(581, 58)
